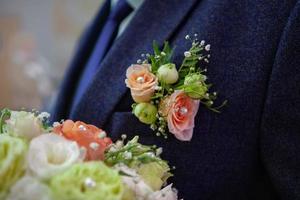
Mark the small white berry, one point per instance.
(82, 128)
(140, 79)
(94, 146)
(55, 124)
(102, 134)
(123, 136)
(187, 54)
(127, 155)
(89, 182)
(207, 47)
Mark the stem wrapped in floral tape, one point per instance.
(167, 98)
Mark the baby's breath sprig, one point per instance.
(132, 153)
(160, 126)
(192, 58)
(44, 119)
(192, 79)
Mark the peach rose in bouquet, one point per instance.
(88, 136)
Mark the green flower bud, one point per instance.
(194, 78)
(145, 112)
(168, 73)
(194, 86)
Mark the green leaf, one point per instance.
(156, 48)
(167, 48)
(5, 113)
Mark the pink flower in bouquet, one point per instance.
(141, 82)
(180, 111)
(88, 136)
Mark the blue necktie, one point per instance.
(109, 32)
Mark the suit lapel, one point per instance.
(155, 20)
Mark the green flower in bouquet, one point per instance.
(12, 161)
(142, 158)
(88, 181)
(135, 187)
(155, 174)
(144, 182)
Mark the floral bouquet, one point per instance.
(76, 161)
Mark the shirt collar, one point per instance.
(135, 4)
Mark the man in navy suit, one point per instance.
(249, 151)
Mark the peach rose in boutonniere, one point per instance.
(90, 137)
(180, 111)
(141, 82)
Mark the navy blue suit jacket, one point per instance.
(249, 151)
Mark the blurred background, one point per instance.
(37, 39)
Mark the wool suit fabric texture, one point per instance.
(250, 150)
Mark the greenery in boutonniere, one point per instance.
(167, 96)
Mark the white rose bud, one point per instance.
(24, 124)
(168, 73)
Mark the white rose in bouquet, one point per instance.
(29, 188)
(24, 124)
(50, 154)
(167, 193)
(138, 189)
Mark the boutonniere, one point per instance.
(169, 98)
